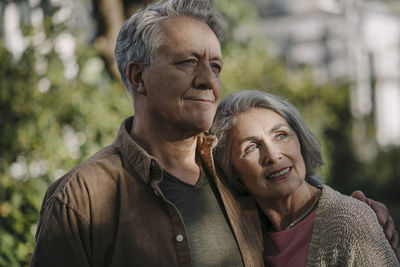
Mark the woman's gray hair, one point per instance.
(140, 38)
(235, 104)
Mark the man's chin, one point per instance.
(199, 127)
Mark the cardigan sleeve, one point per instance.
(371, 248)
(347, 233)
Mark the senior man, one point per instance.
(153, 197)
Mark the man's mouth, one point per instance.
(279, 173)
(201, 100)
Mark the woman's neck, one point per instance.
(286, 212)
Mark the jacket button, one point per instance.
(179, 238)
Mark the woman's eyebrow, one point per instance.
(271, 131)
(276, 127)
(248, 138)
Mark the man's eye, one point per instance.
(216, 68)
(190, 61)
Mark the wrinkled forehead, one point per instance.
(186, 30)
(248, 110)
(260, 116)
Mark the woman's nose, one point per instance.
(271, 154)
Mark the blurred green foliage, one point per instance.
(49, 123)
(45, 133)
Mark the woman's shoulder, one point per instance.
(338, 212)
(334, 203)
(349, 227)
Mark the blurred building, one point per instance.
(354, 40)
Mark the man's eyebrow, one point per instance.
(198, 55)
(217, 57)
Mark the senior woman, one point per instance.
(265, 149)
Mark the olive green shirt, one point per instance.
(211, 241)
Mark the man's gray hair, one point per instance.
(225, 120)
(140, 38)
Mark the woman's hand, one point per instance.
(384, 218)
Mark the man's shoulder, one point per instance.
(97, 173)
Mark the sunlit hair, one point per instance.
(140, 37)
(235, 104)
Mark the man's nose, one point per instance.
(205, 77)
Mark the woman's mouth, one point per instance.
(279, 174)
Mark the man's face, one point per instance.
(182, 82)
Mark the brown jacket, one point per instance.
(109, 211)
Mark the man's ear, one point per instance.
(134, 73)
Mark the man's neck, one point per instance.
(175, 151)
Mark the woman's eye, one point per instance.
(250, 148)
(281, 136)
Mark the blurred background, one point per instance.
(61, 99)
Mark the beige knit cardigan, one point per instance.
(347, 233)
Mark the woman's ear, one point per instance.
(134, 73)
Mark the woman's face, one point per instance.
(266, 154)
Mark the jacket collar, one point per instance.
(147, 167)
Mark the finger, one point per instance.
(359, 195)
(389, 228)
(382, 213)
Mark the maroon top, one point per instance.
(289, 247)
